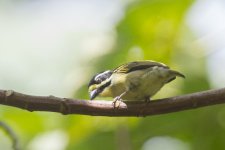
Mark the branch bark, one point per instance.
(105, 108)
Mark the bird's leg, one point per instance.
(147, 101)
(118, 98)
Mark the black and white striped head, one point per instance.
(98, 83)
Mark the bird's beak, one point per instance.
(93, 94)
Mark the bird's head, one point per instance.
(98, 83)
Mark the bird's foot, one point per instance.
(119, 99)
(116, 102)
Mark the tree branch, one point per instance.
(11, 134)
(105, 108)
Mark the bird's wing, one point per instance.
(137, 65)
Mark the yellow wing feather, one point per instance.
(137, 65)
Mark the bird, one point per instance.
(137, 80)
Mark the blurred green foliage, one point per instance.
(150, 29)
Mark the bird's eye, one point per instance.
(98, 80)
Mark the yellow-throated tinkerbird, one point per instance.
(138, 80)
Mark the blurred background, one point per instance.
(54, 47)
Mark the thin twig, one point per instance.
(11, 134)
(105, 108)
